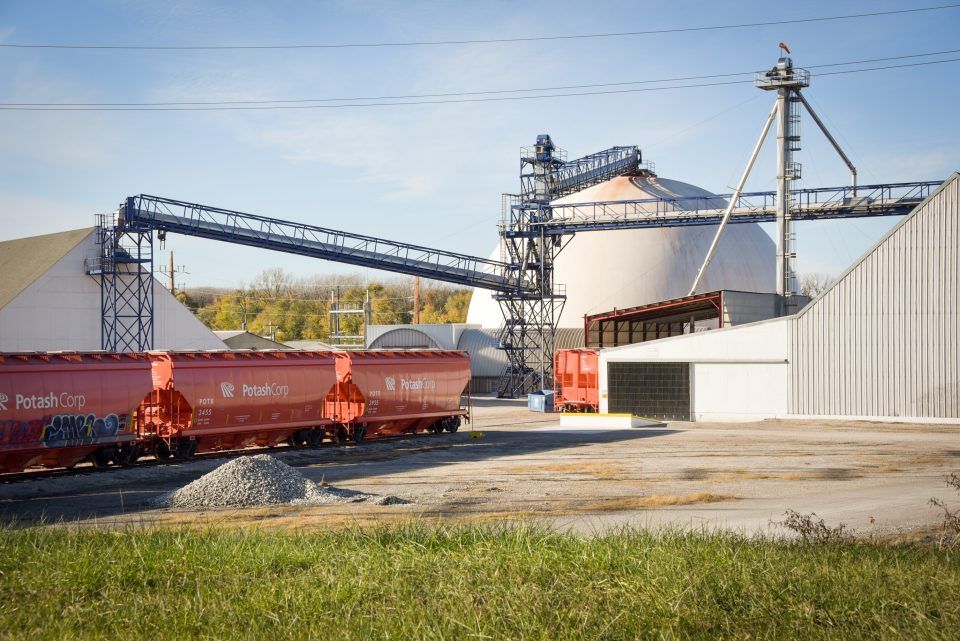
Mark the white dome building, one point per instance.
(631, 267)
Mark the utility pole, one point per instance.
(416, 300)
(170, 271)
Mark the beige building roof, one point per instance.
(240, 339)
(24, 260)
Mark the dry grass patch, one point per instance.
(708, 475)
(602, 470)
(623, 503)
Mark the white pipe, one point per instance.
(733, 200)
(823, 128)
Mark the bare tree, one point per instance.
(813, 283)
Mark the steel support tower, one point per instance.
(533, 303)
(124, 265)
(531, 308)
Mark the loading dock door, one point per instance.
(653, 390)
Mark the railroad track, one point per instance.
(88, 469)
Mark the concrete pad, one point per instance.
(580, 419)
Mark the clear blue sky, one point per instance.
(433, 174)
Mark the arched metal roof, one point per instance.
(404, 338)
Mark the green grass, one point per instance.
(417, 582)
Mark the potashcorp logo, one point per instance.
(3, 401)
(267, 389)
(391, 384)
(51, 401)
(418, 383)
(226, 389)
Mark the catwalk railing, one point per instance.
(806, 204)
(175, 216)
(164, 214)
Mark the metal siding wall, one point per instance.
(883, 340)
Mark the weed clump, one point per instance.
(814, 529)
(950, 526)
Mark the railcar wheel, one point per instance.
(127, 456)
(102, 457)
(297, 439)
(184, 449)
(341, 435)
(315, 438)
(359, 433)
(453, 425)
(161, 451)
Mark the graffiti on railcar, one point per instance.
(63, 430)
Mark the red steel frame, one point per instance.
(712, 301)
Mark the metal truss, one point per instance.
(532, 307)
(124, 266)
(826, 203)
(165, 214)
(533, 231)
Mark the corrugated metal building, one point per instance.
(880, 343)
(883, 340)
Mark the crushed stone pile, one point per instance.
(254, 481)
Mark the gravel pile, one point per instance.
(253, 481)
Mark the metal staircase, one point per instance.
(533, 306)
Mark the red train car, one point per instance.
(207, 401)
(58, 409)
(576, 380)
(401, 392)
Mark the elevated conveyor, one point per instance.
(895, 199)
(176, 216)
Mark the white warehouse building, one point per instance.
(880, 343)
(49, 303)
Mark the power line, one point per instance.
(425, 43)
(456, 94)
(264, 107)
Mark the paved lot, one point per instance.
(873, 477)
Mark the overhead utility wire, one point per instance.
(425, 43)
(455, 94)
(258, 107)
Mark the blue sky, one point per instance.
(433, 174)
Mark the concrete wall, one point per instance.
(61, 311)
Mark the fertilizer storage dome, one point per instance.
(630, 267)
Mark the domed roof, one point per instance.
(631, 267)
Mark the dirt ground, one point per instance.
(876, 478)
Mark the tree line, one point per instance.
(276, 303)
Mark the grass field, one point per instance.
(467, 582)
